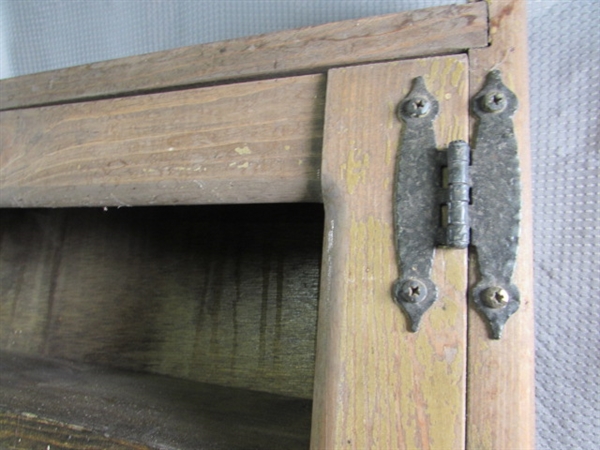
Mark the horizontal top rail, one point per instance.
(425, 32)
(255, 142)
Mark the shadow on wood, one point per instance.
(222, 295)
(46, 403)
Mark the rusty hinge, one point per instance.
(443, 199)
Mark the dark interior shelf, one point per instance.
(159, 327)
(49, 403)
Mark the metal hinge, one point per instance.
(442, 199)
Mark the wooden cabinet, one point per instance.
(230, 320)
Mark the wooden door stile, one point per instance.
(501, 403)
(377, 384)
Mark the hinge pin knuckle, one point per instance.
(457, 229)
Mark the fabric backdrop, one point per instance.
(564, 46)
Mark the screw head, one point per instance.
(495, 297)
(416, 107)
(494, 102)
(413, 291)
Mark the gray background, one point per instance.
(564, 48)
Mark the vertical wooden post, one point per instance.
(377, 384)
(501, 400)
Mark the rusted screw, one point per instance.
(493, 102)
(416, 107)
(413, 291)
(495, 297)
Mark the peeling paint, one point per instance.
(457, 75)
(455, 267)
(399, 389)
(355, 169)
(243, 150)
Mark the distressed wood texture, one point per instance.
(221, 295)
(377, 384)
(439, 30)
(501, 405)
(49, 404)
(28, 431)
(256, 142)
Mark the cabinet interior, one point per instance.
(216, 303)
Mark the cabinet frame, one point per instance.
(498, 376)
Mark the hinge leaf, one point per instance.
(496, 209)
(416, 205)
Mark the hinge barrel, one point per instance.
(456, 232)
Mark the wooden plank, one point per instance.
(501, 406)
(52, 404)
(439, 30)
(256, 142)
(28, 431)
(377, 385)
(223, 294)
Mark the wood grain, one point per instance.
(222, 295)
(377, 385)
(28, 431)
(52, 404)
(501, 406)
(255, 142)
(439, 30)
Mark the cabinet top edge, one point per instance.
(425, 32)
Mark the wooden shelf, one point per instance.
(57, 403)
(210, 309)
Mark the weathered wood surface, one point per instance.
(28, 431)
(377, 385)
(256, 142)
(501, 406)
(439, 30)
(49, 404)
(223, 295)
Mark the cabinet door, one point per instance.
(448, 385)
(378, 385)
